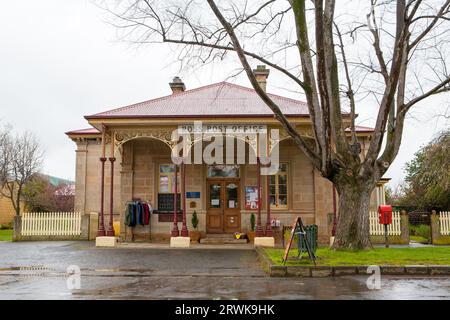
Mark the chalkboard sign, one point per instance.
(298, 227)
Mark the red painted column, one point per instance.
(184, 229)
(269, 232)
(112, 159)
(175, 231)
(101, 223)
(259, 230)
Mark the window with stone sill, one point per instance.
(279, 188)
(167, 179)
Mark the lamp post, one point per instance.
(184, 229)
(175, 231)
(259, 230)
(101, 223)
(269, 232)
(112, 159)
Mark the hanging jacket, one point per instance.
(133, 215)
(129, 215)
(140, 213)
(146, 214)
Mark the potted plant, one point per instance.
(251, 234)
(194, 234)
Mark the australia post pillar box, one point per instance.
(385, 214)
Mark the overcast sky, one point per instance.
(60, 61)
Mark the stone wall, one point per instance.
(6, 210)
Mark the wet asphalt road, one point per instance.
(37, 270)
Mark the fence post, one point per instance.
(404, 226)
(434, 224)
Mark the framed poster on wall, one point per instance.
(251, 197)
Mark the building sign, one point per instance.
(222, 128)
(193, 195)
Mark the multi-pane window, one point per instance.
(279, 188)
(167, 179)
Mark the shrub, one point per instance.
(7, 226)
(252, 222)
(194, 220)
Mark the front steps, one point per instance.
(219, 238)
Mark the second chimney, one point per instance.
(177, 85)
(261, 73)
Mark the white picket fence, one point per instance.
(51, 224)
(444, 223)
(377, 229)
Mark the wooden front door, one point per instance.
(223, 208)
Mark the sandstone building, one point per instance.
(136, 141)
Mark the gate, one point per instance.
(420, 226)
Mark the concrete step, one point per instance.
(220, 236)
(222, 241)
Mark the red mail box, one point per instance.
(385, 214)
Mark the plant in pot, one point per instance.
(194, 234)
(251, 234)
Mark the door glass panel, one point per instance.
(232, 195)
(214, 195)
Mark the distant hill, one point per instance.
(55, 181)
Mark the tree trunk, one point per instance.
(352, 230)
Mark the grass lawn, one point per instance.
(6, 235)
(377, 256)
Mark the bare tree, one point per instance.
(5, 147)
(395, 55)
(23, 162)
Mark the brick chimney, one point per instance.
(261, 74)
(177, 85)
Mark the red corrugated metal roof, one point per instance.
(219, 99)
(84, 131)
